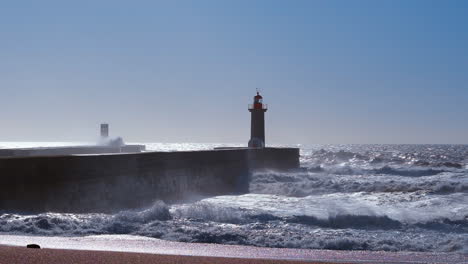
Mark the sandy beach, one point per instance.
(135, 249)
(14, 254)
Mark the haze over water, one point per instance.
(360, 197)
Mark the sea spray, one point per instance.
(346, 197)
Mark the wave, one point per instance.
(348, 221)
(347, 180)
(209, 212)
(387, 170)
(407, 172)
(397, 155)
(204, 212)
(411, 171)
(364, 197)
(208, 223)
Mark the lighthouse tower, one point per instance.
(104, 130)
(257, 126)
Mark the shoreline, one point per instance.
(20, 255)
(137, 249)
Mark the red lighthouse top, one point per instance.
(258, 99)
(258, 103)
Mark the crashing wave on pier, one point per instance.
(345, 197)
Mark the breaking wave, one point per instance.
(306, 183)
(345, 197)
(205, 222)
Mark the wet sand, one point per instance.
(13, 255)
(136, 249)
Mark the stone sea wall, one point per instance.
(110, 182)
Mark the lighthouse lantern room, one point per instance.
(257, 125)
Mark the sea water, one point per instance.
(345, 197)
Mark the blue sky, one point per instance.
(184, 71)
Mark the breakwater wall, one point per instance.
(72, 150)
(110, 182)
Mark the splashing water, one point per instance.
(366, 197)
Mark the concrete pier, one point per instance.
(72, 150)
(110, 182)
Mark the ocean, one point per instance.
(344, 197)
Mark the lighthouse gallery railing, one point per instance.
(264, 106)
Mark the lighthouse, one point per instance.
(257, 125)
(104, 130)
